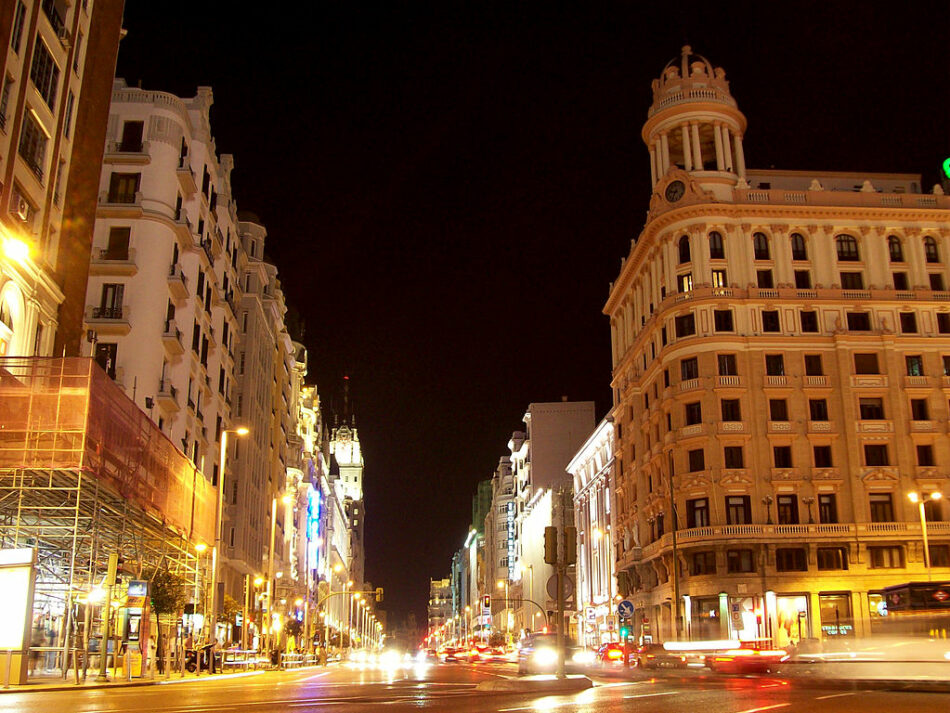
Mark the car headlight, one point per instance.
(545, 657)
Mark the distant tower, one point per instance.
(694, 124)
(345, 450)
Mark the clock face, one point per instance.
(675, 191)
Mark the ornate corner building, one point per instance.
(781, 352)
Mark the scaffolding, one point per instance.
(84, 473)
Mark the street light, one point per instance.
(504, 585)
(919, 499)
(219, 523)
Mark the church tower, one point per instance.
(347, 456)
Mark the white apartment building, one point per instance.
(592, 470)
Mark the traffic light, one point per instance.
(946, 167)
(550, 545)
(624, 630)
(570, 544)
(486, 601)
(379, 594)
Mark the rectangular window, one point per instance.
(123, 187)
(809, 319)
(900, 280)
(764, 279)
(908, 322)
(703, 563)
(44, 73)
(939, 555)
(722, 319)
(832, 558)
(865, 364)
(32, 147)
(818, 409)
(738, 561)
(886, 557)
(118, 243)
(689, 368)
(697, 460)
(813, 365)
(822, 456)
(731, 410)
(697, 512)
(919, 410)
(694, 413)
(727, 364)
(733, 457)
(775, 364)
(685, 325)
(876, 454)
(786, 508)
(770, 321)
(685, 282)
(19, 19)
(778, 410)
(925, 455)
(77, 53)
(782, 456)
(719, 278)
(827, 508)
(943, 322)
(790, 559)
(882, 507)
(132, 136)
(936, 281)
(915, 365)
(738, 509)
(871, 409)
(859, 321)
(803, 279)
(852, 281)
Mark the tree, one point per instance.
(231, 608)
(168, 592)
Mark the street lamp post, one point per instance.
(919, 499)
(337, 568)
(219, 523)
(504, 585)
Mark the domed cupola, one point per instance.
(694, 123)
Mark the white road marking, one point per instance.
(649, 695)
(765, 708)
(833, 695)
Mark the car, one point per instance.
(538, 654)
(612, 653)
(745, 659)
(656, 656)
(450, 654)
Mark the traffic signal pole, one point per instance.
(561, 557)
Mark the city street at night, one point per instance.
(452, 687)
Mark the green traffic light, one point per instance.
(946, 167)
(624, 632)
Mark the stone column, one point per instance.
(652, 167)
(687, 154)
(727, 148)
(697, 151)
(740, 156)
(664, 152)
(717, 135)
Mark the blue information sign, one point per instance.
(625, 609)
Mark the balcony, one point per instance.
(691, 431)
(821, 427)
(918, 383)
(117, 205)
(815, 381)
(780, 426)
(729, 382)
(923, 427)
(868, 381)
(108, 320)
(874, 426)
(167, 397)
(171, 339)
(113, 262)
(126, 153)
(776, 381)
(177, 283)
(691, 385)
(732, 427)
(186, 178)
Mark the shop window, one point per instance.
(835, 614)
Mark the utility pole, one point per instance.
(561, 557)
(106, 617)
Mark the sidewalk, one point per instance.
(55, 682)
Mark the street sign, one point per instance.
(591, 614)
(568, 587)
(625, 609)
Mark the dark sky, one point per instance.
(448, 192)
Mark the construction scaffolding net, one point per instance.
(84, 473)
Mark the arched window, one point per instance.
(799, 252)
(6, 318)
(760, 246)
(895, 249)
(847, 248)
(930, 249)
(716, 249)
(684, 249)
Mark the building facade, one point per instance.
(781, 345)
(592, 470)
(56, 66)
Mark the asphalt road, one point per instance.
(451, 687)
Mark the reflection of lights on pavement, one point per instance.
(549, 703)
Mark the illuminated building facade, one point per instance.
(53, 115)
(781, 351)
(592, 470)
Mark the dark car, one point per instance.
(655, 656)
(746, 659)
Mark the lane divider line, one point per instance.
(833, 695)
(765, 708)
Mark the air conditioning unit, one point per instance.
(22, 208)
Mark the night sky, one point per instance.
(448, 192)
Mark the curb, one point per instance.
(41, 688)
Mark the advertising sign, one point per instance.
(16, 602)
